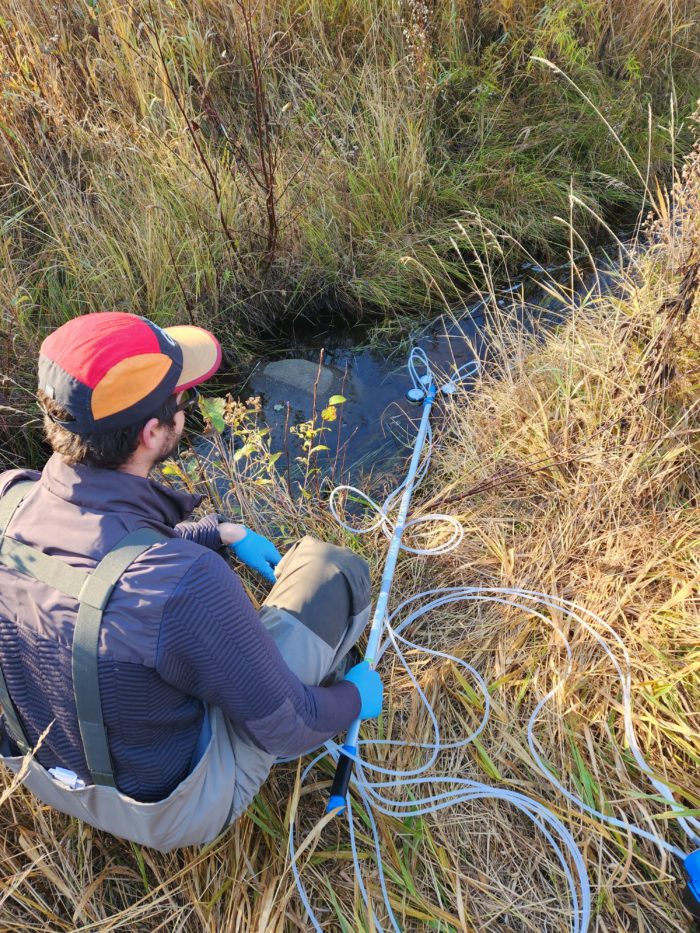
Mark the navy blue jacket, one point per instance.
(178, 630)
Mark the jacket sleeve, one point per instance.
(212, 645)
(204, 532)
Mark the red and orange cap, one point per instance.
(111, 369)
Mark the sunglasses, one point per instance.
(189, 400)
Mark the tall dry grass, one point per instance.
(245, 164)
(574, 466)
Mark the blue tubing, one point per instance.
(343, 771)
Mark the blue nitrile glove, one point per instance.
(258, 553)
(371, 688)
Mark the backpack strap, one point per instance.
(93, 591)
(18, 556)
(50, 570)
(12, 719)
(8, 506)
(93, 598)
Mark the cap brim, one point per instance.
(201, 354)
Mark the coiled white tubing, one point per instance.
(460, 790)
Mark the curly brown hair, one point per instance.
(110, 450)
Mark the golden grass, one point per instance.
(574, 467)
(132, 128)
(247, 164)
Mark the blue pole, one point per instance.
(343, 770)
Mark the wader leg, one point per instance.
(315, 613)
(318, 607)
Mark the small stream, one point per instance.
(376, 423)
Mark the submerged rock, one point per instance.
(300, 375)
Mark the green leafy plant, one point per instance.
(310, 434)
(239, 455)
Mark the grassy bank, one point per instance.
(240, 164)
(574, 467)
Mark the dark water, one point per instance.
(376, 424)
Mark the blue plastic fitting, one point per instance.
(691, 895)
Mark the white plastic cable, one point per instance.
(416, 358)
(546, 608)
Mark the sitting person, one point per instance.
(158, 696)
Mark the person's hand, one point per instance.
(371, 689)
(258, 553)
